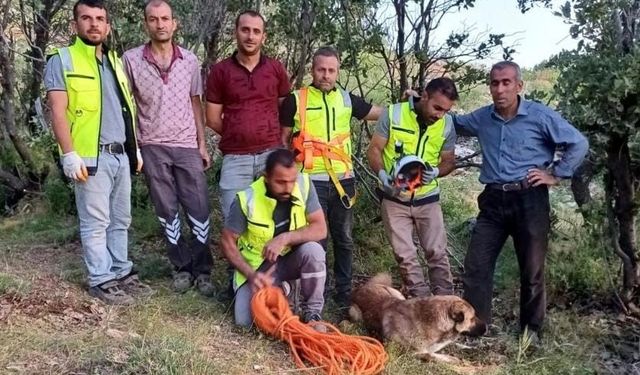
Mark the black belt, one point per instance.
(511, 186)
(112, 148)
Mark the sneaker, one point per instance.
(134, 287)
(110, 293)
(204, 285)
(182, 281)
(315, 321)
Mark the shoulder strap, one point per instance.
(302, 108)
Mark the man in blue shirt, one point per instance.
(518, 140)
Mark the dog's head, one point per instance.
(466, 321)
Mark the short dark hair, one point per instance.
(156, 3)
(326, 51)
(252, 13)
(280, 156)
(507, 64)
(91, 4)
(444, 86)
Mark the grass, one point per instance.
(190, 334)
(13, 284)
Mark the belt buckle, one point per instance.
(511, 186)
(109, 148)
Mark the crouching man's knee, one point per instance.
(311, 252)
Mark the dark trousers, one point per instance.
(340, 220)
(523, 215)
(175, 175)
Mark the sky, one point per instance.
(537, 34)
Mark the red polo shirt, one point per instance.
(250, 103)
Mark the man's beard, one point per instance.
(253, 52)
(90, 42)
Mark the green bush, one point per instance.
(59, 196)
(139, 193)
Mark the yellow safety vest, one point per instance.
(328, 118)
(426, 144)
(84, 110)
(258, 208)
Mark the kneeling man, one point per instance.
(277, 222)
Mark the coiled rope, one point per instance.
(333, 352)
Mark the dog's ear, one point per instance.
(456, 311)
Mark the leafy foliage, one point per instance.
(598, 92)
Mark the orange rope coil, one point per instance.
(333, 352)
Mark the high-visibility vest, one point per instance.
(84, 110)
(258, 208)
(327, 121)
(425, 143)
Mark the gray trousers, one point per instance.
(399, 222)
(237, 173)
(305, 262)
(175, 176)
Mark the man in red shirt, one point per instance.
(244, 92)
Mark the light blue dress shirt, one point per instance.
(529, 140)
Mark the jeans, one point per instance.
(237, 173)
(305, 262)
(104, 210)
(523, 215)
(340, 222)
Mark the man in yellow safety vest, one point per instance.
(319, 118)
(94, 124)
(417, 130)
(272, 229)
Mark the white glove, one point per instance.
(429, 175)
(387, 185)
(140, 161)
(74, 167)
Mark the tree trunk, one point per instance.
(621, 201)
(306, 21)
(400, 6)
(41, 24)
(7, 82)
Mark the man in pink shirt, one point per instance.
(166, 83)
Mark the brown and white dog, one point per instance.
(424, 324)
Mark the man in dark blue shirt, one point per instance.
(518, 140)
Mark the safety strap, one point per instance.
(307, 147)
(327, 150)
(346, 201)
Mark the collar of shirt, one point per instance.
(148, 56)
(318, 88)
(523, 104)
(234, 57)
(412, 100)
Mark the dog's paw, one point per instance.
(355, 314)
(438, 357)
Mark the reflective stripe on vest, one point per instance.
(84, 91)
(328, 117)
(258, 208)
(426, 144)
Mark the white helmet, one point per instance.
(407, 172)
